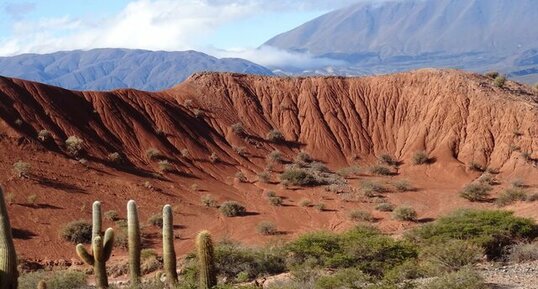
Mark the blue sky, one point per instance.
(43, 26)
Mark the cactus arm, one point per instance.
(134, 242)
(8, 257)
(108, 244)
(84, 255)
(169, 253)
(96, 219)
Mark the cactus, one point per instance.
(134, 242)
(169, 253)
(42, 285)
(101, 248)
(8, 258)
(206, 260)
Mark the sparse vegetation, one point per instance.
(242, 151)
(523, 252)
(510, 196)
(463, 279)
(386, 159)
(474, 166)
(361, 216)
(370, 188)
(156, 220)
(305, 203)
(518, 183)
(213, 158)
(348, 171)
(303, 159)
(232, 209)
(320, 207)
(421, 158)
(476, 192)
(274, 157)
(44, 135)
(403, 186)
(112, 215)
(274, 136)
(266, 228)
(32, 200)
(165, 166)
(487, 179)
(238, 129)
(275, 200)
(264, 177)
(77, 232)
(492, 74)
(298, 177)
(384, 207)
(73, 145)
(380, 170)
(208, 201)
(404, 213)
(153, 154)
(240, 176)
(64, 279)
(115, 158)
(22, 169)
(499, 81)
(526, 156)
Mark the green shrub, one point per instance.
(476, 192)
(66, 279)
(276, 201)
(421, 158)
(363, 248)
(510, 196)
(274, 157)
(361, 216)
(463, 279)
(451, 256)
(380, 170)
(499, 81)
(77, 232)
(73, 145)
(404, 213)
(274, 136)
(491, 230)
(111, 215)
(266, 228)
(232, 209)
(298, 177)
(385, 207)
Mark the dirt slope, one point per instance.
(456, 117)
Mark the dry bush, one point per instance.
(73, 145)
(115, 158)
(421, 158)
(380, 170)
(361, 216)
(305, 203)
(44, 135)
(474, 166)
(499, 81)
(238, 129)
(384, 207)
(165, 166)
(266, 228)
(153, 153)
(510, 196)
(213, 158)
(403, 186)
(22, 169)
(242, 151)
(274, 136)
(404, 213)
(523, 252)
(208, 201)
(386, 159)
(476, 192)
(264, 177)
(77, 232)
(274, 157)
(232, 209)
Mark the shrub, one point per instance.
(388, 160)
(276, 201)
(492, 74)
(361, 216)
(274, 136)
(274, 157)
(22, 169)
(153, 154)
(380, 170)
(240, 176)
(491, 230)
(451, 256)
(115, 157)
(73, 145)
(112, 215)
(195, 187)
(156, 220)
(208, 201)
(238, 129)
(487, 179)
(303, 159)
(474, 166)
(19, 122)
(44, 135)
(185, 153)
(385, 207)
(266, 228)
(510, 196)
(499, 81)
(523, 252)
(421, 158)
(463, 279)
(264, 177)
(348, 171)
(213, 158)
(320, 207)
(165, 166)
(476, 192)
(198, 113)
(532, 197)
(298, 177)
(232, 209)
(403, 186)
(65, 279)
(305, 203)
(370, 189)
(77, 232)
(518, 183)
(404, 213)
(346, 278)
(242, 151)
(32, 200)
(363, 248)
(526, 156)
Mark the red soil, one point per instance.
(456, 117)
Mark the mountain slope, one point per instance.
(457, 117)
(471, 34)
(107, 69)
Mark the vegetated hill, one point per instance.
(399, 35)
(107, 69)
(457, 118)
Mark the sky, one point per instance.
(218, 27)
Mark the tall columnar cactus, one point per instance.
(102, 250)
(96, 219)
(206, 260)
(134, 242)
(8, 258)
(169, 253)
(101, 247)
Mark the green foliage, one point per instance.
(491, 230)
(499, 81)
(55, 280)
(476, 192)
(463, 279)
(404, 213)
(77, 232)
(346, 278)
(232, 209)
(363, 247)
(450, 256)
(510, 196)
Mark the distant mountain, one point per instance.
(405, 34)
(107, 69)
